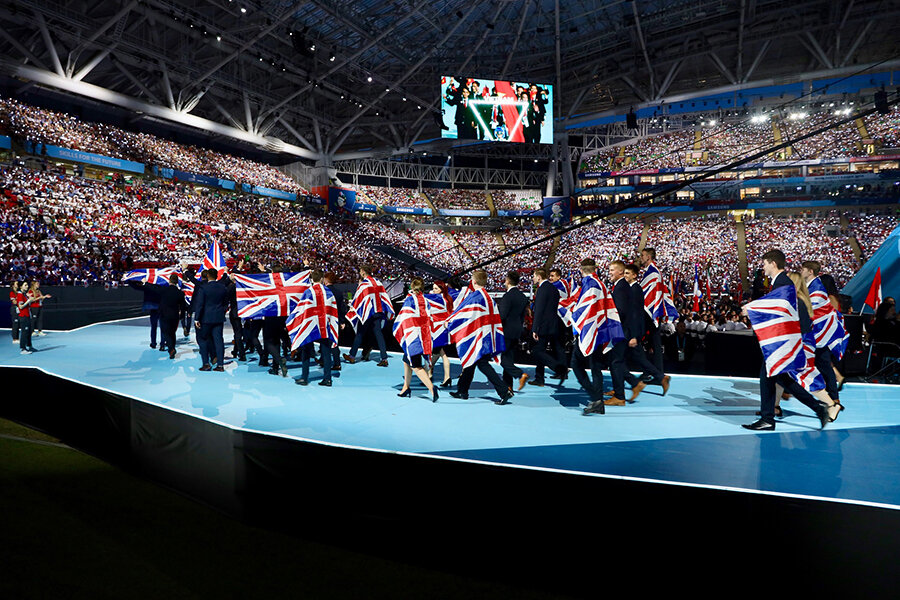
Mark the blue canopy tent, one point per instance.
(888, 258)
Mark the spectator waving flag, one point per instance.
(369, 299)
(827, 321)
(475, 328)
(873, 298)
(412, 328)
(777, 326)
(594, 318)
(157, 276)
(439, 308)
(214, 259)
(657, 301)
(269, 294)
(186, 284)
(696, 307)
(314, 317)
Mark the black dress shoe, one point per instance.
(537, 383)
(761, 426)
(597, 406)
(504, 399)
(301, 382)
(459, 395)
(435, 395)
(325, 383)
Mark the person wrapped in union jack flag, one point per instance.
(314, 319)
(779, 323)
(658, 306)
(827, 325)
(476, 329)
(413, 329)
(369, 309)
(440, 305)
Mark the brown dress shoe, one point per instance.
(522, 380)
(613, 401)
(637, 390)
(610, 393)
(665, 384)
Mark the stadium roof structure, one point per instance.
(338, 78)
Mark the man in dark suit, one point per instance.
(773, 266)
(329, 280)
(631, 324)
(171, 308)
(210, 301)
(545, 330)
(512, 307)
(636, 353)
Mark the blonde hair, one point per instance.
(480, 277)
(802, 291)
(416, 286)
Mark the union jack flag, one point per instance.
(777, 326)
(314, 317)
(568, 295)
(475, 328)
(370, 298)
(157, 276)
(827, 321)
(809, 376)
(269, 294)
(697, 294)
(595, 320)
(439, 310)
(214, 259)
(657, 301)
(413, 326)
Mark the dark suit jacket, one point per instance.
(341, 301)
(546, 302)
(632, 322)
(171, 301)
(210, 301)
(637, 304)
(512, 313)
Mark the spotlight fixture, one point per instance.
(331, 57)
(243, 10)
(369, 79)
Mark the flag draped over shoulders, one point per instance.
(269, 294)
(827, 321)
(314, 317)
(475, 328)
(776, 324)
(413, 326)
(369, 299)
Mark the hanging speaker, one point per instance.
(631, 120)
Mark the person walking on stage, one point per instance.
(648, 263)
(328, 280)
(210, 302)
(369, 309)
(545, 330)
(826, 320)
(512, 307)
(636, 353)
(314, 319)
(477, 331)
(171, 308)
(441, 305)
(632, 322)
(773, 263)
(413, 330)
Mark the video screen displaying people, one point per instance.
(496, 111)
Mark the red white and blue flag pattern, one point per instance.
(370, 298)
(314, 317)
(595, 320)
(809, 376)
(568, 295)
(157, 276)
(214, 259)
(776, 324)
(697, 294)
(269, 294)
(476, 329)
(827, 321)
(413, 326)
(439, 309)
(657, 300)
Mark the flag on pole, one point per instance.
(697, 294)
(157, 276)
(214, 259)
(873, 299)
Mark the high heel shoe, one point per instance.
(448, 383)
(435, 395)
(840, 408)
(406, 394)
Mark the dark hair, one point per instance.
(651, 252)
(633, 268)
(330, 277)
(513, 277)
(212, 274)
(173, 279)
(541, 272)
(812, 265)
(316, 276)
(777, 257)
(830, 286)
(557, 271)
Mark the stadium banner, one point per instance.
(273, 193)
(5, 142)
(225, 184)
(557, 210)
(168, 173)
(461, 212)
(496, 111)
(341, 201)
(520, 213)
(406, 210)
(85, 157)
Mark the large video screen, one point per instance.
(496, 111)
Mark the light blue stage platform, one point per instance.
(690, 437)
